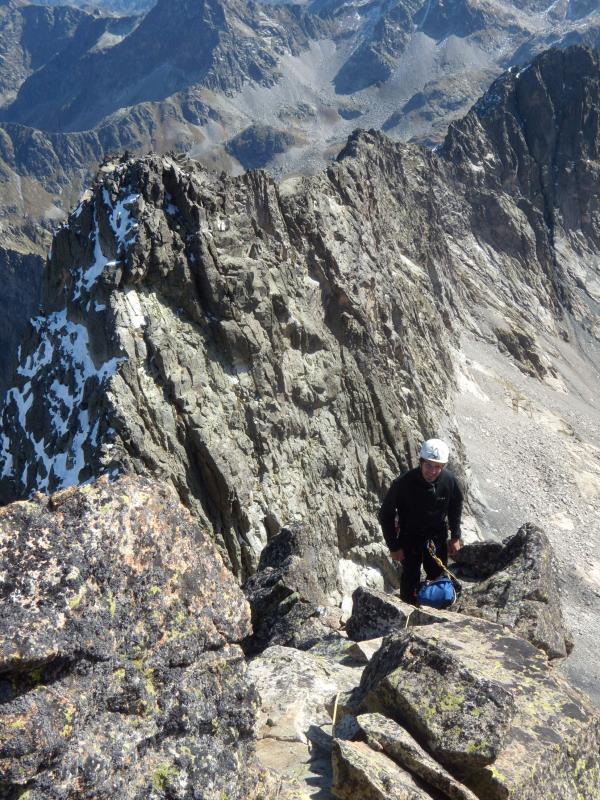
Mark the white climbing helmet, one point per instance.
(435, 450)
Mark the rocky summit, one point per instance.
(222, 378)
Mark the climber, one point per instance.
(420, 506)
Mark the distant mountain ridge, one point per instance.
(113, 6)
(178, 44)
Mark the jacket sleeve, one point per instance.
(455, 511)
(387, 517)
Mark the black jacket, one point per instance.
(425, 510)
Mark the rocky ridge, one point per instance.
(271, 319)
(121, 671)
(407, 67)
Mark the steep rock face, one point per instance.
(276, 353)
(239, 307)
(20, 285)
(442, 18)
(291, 590)
(146, 83)
(536, 137)
(120, 670)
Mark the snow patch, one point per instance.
(123, 226)
(65, 345)
(134, 308)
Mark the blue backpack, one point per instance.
(439, 593)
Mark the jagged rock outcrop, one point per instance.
(277, 352)
(121, 673)
(291, 594)
(535, 137)
(521, 592)
(513, 584)
(20, 286)
(476, 697)
(66, 70)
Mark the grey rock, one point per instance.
(297, 693)
(474, 688)
(374, 59)
(477, 560)
(376, 614)
(236, 317)
(120, 669)
(385, 734)
(359, 771)
(521, 592)
(180, 43)
(462, 717)
(290, 592)
(442, 18)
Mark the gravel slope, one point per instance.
(534, 454)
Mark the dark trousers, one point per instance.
(415, 556)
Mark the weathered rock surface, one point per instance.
(376, 614)
(454, 707)
(292, 594)
(297, 693)
(120, 669)
(463, 717)
(522, 591)
(20, 287)
(359, 771)
(487, 705)
(384, 734)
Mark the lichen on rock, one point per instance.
(120, 669)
